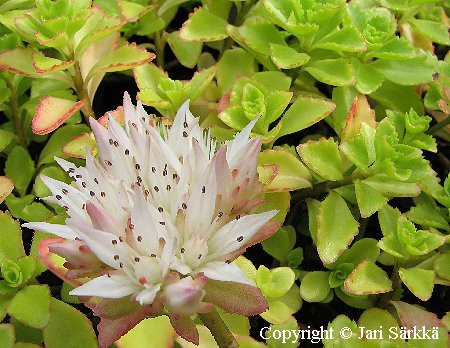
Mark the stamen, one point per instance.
(103, 194)
(220, 214)
(116, 257)
(153, 170)
(203, 189)
(168, 187)
(137, 166)
(162, 223)
(127, 152)
(96, 181)
(139, 239)
(182, 250)
(84, 184)
(114, 242)
(78, 176)
(92, 193)
(160, 209)
(65, 191)
(136, 259)
(121, 265)
(120, 239)
(185, 135)
(58, 197)
(116, 143)
(240, 239)
(153, 255)
(111, 141)
(156, 188)
(184, 206)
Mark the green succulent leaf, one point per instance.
(369, 199)
(186, 52)
(436, 32)
(228, 71)
(11, 246)
(314, 286)
(78, 331)
(280, 243)
(323, 157)
(203, 26)
(442, 266)
(275, 282)
(277, 313)
(335, 72)
(286, 57)
(399, 71)
(291, 173)
(19, 168)
(347, 39)
(303, 113)
(333, 238)
(7, 336)
(367, 278)
(419, 281)
(36, 297)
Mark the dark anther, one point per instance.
(92, 193)
(240, 239)
(156, 188)
(114, 242)
(58, 197)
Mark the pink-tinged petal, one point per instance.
(265, 232)
(53, 262)
(76, 253)
(107, 286)
(224, 102)
(62, 231)
(218, 270)
(183, 296)
(415, 317)
(53, 112)
(238, 233)
(236, 298)
(98, 241)
(110, 331)
(103, 220)
(185, 327)
(6, 187)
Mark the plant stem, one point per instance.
(160, 42)
(15, 111)
(438, 126)
(82, 93)
(218, 329)
(324, 187)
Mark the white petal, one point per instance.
(147, 296)
(218, 270)
(62, 231)
(114, 286)
(240, 142)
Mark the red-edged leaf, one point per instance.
(53, 112)
(43, 64)
(77, 146)
(18, 60)
(54, 262)
(415, 317)
(236, 298)
(117, 114)
(125, 57)
(110, 331)
(6, 187)
(360, 112)
(131, 11)
(185, 328)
